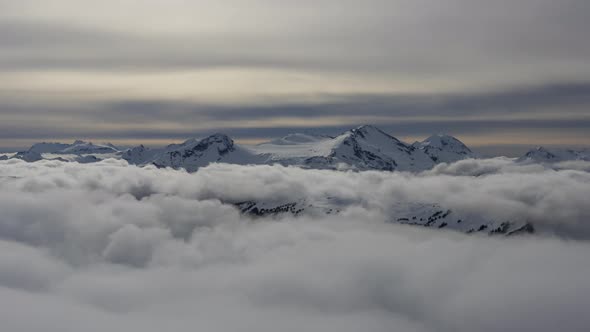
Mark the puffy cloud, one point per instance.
(145, 249)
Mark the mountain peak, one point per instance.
(441, 140)
(368, 130)
(444, 148)
(224, 141)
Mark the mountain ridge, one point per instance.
(362, 148)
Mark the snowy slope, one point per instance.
(196, 153)
(81, 147)
(76, 148)
(141, 155)
(362, 148)
(444, 149)
(28, 156)
(543, 155)
(45, 147)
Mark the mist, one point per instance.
(109, 246)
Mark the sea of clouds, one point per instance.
(113, 247)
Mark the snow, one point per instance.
(45, 147)
(362, 148)
(77, 148)
(81, 147)
(543, 155)
(196, 153)
(28, 156)
(444, 149)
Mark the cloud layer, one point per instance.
(109, 246)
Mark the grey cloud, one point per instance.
(420, 39)
(490, 113)
(177, 256)
(537, 99)
(495, 59)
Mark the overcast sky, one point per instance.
(493, 73)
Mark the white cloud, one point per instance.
(118, 247)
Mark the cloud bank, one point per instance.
(109, 246)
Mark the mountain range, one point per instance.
(362, 148)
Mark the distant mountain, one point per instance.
(444, 149)
(362, 148)
(194, 153)
(140, 155)
(28, 156)
(77, 148)
(45, 147)
(81, 147)
(543, 155)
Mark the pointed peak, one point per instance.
(219, 138)
(365, 131)
(368, 129)
(441, 137)
(209, 140)
(440, 140)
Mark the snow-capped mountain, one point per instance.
(362, 148)
(543, 155)
(76, 148)
(140, 155)
(444, 149)
(81, 147)
(28, 156)
(193, 153)
(196, 153)
(46, 147)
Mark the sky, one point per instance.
(502, 76)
